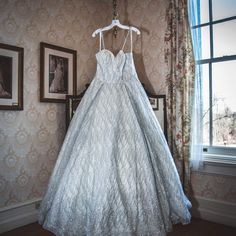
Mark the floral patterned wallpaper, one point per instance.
(30, 139)
(213, 186)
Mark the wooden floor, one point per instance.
(196, 228)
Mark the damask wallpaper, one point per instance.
(30, 139)
(214, 186)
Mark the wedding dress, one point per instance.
(57, 84)
(115, 175)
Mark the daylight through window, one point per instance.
(218, 66)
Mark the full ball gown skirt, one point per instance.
(114, 175)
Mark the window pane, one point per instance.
(205, 41)
(224, 105)
(223, 9)
(204, 9)
(224, 38)
(206, 111)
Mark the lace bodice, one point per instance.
(114, 68)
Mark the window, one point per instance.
(217, 30)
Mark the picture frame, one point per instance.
(158, 103)
(154, 103)
(11, 77)
(57, 72)
(72, 102)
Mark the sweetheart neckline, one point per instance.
(113, 55)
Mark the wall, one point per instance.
(214, 186)
(30, 139)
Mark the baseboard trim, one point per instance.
(19, 215)
(216, 211)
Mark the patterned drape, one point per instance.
(180, 85)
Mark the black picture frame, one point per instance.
(11, 77)
(158, 104)
(72, 102)
(57, 72)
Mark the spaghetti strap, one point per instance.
(131, 41)
(101, 41)
(125, 41)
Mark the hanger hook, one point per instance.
(115, 16)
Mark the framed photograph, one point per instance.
(154, 102)
(57, 73)
(158, 103)
(11, 77)
(72, 102)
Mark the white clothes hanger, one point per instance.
(116, 22)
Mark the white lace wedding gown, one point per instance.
(114, 175)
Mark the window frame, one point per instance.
(211, 152)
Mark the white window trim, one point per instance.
(219, 164)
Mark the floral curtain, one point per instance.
(180, 86)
